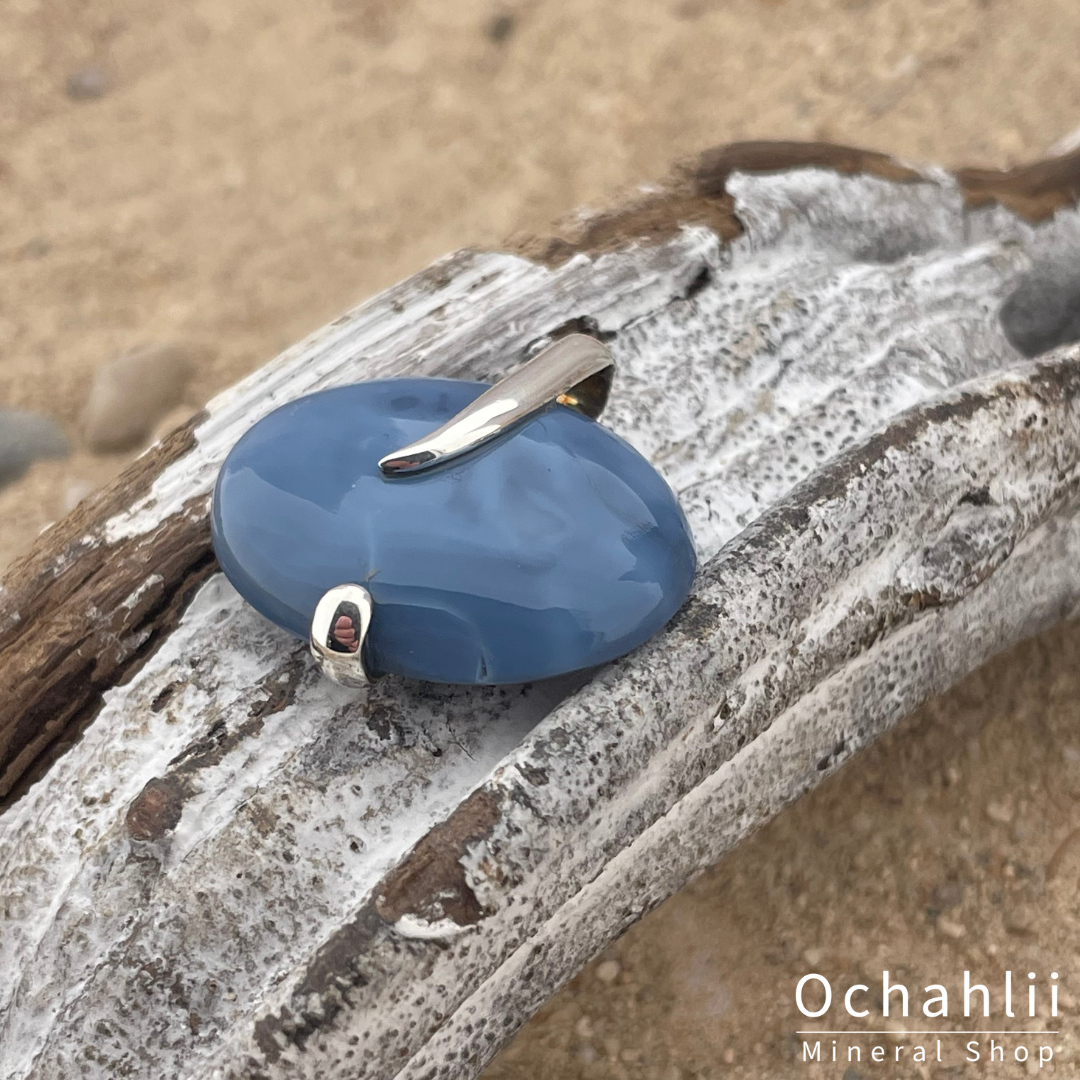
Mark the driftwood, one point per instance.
(215, 864)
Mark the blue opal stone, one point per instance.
(555, 547)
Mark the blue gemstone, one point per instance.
(554, 548)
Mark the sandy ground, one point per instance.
(253, 167)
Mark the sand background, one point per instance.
(249, 169)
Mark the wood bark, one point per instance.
(214, 863)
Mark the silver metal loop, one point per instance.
(576, 370)
(338, 629)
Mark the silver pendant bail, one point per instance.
(576, 371)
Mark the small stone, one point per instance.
(690, 9)
(729, 1056)
(131, 394)
(851, 1073)
(813, 956)
(501, 27)
(608, 971)
(895, 1029)
(584, 1028)
(587, 1053)
(1001, 812)
(36, 247)
(1019, 920)
(25, 437)
(87, 83)
(947, 895)
(630, 1054)
(1022, 832)
(951, 929)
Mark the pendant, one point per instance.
(453, 532)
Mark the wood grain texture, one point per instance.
(696, 193)
(78, 614)
(241, 869)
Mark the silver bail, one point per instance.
(338, 629)
(576, 370)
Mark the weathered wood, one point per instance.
(243, 870)
(51, 602)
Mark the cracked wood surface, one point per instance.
(240, 869)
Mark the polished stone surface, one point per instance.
(555, 548)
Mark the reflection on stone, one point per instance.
(343, 637)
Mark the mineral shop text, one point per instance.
(1030, 1002)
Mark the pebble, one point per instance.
(1022, 832)
(131, 394)
(896, 1030)
(946, 895)
(951, 929)
(87, 83)
(37, 247)
(1019, 920)
(501, 27)
(813, 956)
(587, 1053)
(608, 971)
(24, 438)
(1001, 812)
